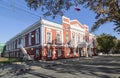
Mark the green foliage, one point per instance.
(106, 10)
(10, 60)
(105, 42)
(117, 48)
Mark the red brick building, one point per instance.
(48, 40)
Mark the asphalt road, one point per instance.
(95, 67)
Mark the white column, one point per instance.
(62, 38)
(42, 34)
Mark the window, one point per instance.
(49, 52)
(49, 37)
(14, 45)
(58, 38)
(37, 36)
(29, 39)
(17, 43)
(59, 52)
(23, 40)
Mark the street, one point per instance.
(91, 67)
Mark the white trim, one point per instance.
(62, 38)
(58, 31)
(50, 37)
(66, 22)
(78, 31)
(55, 28)
(76, 28)
(13, 50)
(48, 29)
(57, 38)
(77, 22)
(51, 24)
(65, 18)
(42, 34)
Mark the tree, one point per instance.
(106, 42)
(106, 10)
(117, 48)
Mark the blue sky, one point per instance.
(15, 16)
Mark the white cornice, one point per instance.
(51, 24)
(77, 28)
(91, 35)
(35, 25)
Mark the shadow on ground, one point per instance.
(102, 67)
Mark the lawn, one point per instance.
(8, 60)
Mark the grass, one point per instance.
(9, 60)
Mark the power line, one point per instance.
(58, 19)
(23, 10)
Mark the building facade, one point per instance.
(47, 40)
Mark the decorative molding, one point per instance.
(51, 24)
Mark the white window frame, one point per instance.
(50, 41)
(49, 53)
(37, 36)
(23, 40)
(59, 52)
(58, 39)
